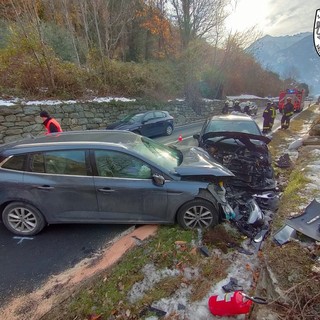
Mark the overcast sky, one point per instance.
(276, 18)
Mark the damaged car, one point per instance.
(108, 177)
(237, 143)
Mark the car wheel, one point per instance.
(23, 219)
(169, 130)
(197, 214)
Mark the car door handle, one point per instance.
(106, 190)
(44, 187)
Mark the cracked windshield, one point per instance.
(159, 159)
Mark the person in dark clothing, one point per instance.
(237, 107)
(51, 124)
(225, 109)
(288, 110)
(269, 115)
(246, 108)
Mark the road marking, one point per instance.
(22, 238)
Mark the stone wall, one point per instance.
(21, 121)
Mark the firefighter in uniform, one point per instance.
(225, 109)
(269, 114)
(288, 110)
(237, 107)
(51, 124)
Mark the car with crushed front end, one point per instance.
(107, 176)
(236, 141)
(149, 123)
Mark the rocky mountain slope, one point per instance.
(290, 56)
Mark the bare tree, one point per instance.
(198, 18)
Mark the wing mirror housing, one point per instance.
(158, 180)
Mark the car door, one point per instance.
(148, 128)
(60, 185)
(161, 122)
(125, 190)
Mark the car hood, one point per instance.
(235, 135)
(197, 162)
(120, 125)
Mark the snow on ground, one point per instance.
(15, 101)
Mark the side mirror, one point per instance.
(158, 180)
(196, 136)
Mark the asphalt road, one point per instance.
(26, 263)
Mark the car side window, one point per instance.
(148, 116)
(70, 162)
(15, 163)
(159, 114)
(120, 165)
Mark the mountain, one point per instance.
(289, 56)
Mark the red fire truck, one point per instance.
(297, 97)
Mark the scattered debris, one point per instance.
(284, 161)
(308, 223)
(232, 285)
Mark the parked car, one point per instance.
(149, 124)
(111, 176)
(237, 143)
(249, 108)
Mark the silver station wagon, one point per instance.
(107, 176)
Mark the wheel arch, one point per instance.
(204, 195)
(5, 204)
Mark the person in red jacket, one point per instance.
(51, 124)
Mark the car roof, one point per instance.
(84, 138)
(232, 117)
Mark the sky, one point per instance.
(275, 18)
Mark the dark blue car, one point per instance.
(149, 124)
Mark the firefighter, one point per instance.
(246, 108)
(273, 114)
(237, 107)
(268, 118)
(225, 109)
(288, 110)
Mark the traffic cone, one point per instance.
(180, 138)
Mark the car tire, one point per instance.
(169, 130)
(197, 213)
(23, 219)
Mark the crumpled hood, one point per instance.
(235, 135)
(197, 162)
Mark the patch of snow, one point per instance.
(16, 101)
(245, 96)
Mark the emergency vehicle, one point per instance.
(297, 97)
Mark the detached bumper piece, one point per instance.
(307, 223)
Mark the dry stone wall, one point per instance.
(21, 121)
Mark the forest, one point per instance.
(150, 49)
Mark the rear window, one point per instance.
(59, 162)
(15, 163)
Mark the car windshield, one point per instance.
(167, 157)
(132, 118)
(233, 126)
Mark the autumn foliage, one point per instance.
(69, 48)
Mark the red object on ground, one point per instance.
(180, 138)
(229, 304)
